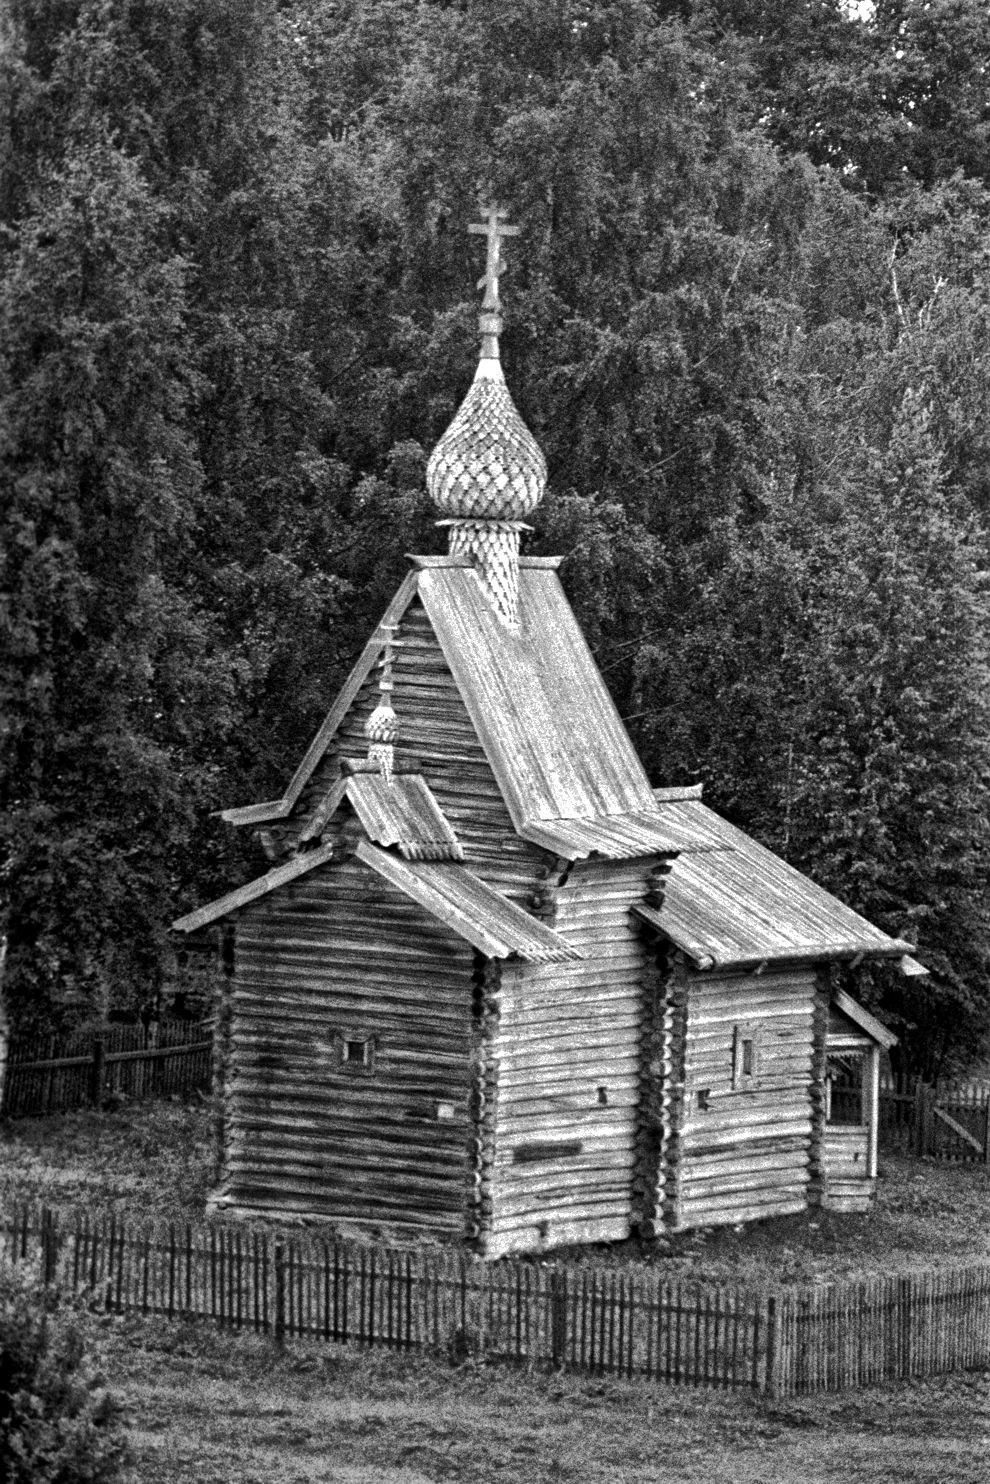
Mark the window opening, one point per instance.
(355, 1052)
(746, 1056)
(845, 1105)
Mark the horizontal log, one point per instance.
(573, 997)
(359, 1091)
(517, 1050)
(598, 1147)
(445, 1138)
(611, 1207)
(514, 1122)
(408, 1193)
(697, 1145)
(294, 1035)
(259, 1200)
(769, 1016)
(740, 1215)
(525, 1236)
(368, 1160)
(698, 1182)
(763, 1153)
(613, 1062)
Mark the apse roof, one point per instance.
(740, 905)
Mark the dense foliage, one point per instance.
(747, 321)
(58, 1423)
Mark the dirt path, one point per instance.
(208, 1409)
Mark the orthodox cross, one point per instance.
(494, 229)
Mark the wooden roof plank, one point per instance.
(548, 725)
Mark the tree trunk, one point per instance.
(4, 1024)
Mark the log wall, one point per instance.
(341, 956)
(569, 1062)
(745, 1141)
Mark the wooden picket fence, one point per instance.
(948, 1121)
(56, 1075)
(621, 1322)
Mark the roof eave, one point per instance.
(707, 958)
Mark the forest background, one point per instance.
(748, 321)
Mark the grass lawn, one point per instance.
(206, 1408)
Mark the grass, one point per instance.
(153, 1159)
(206, 1408)
(149, 1159)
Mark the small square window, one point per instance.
(354, 1051)
(703, 1099)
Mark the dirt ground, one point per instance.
(204, 1408)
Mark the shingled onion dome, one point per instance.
(488, 473)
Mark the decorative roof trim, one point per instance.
(299, 865)
(854, 1011)
(282, 808)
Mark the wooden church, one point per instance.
(497, 988)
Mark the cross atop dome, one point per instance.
(495, 229)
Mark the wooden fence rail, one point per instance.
(620, 1322)
(48, 1075)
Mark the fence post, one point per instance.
(772, 1382)
(279, 1330)
(49, 1246)
(98, 1070)
(924, 1121)
(558, 1318)
(986, 1132)
(906, 1297)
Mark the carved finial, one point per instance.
(495, 229)
(382, 726)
